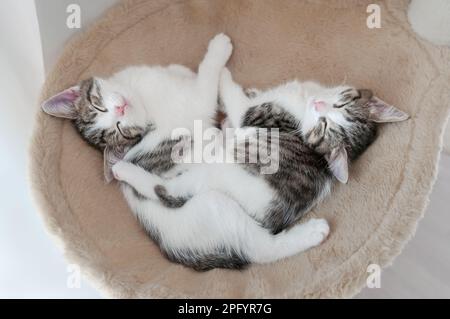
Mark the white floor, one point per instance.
(31, 265)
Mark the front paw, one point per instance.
(121, 169)
(221, 47)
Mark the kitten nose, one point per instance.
(120, 110)
(319, 105)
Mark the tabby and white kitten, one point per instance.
(116, 113)
(320, 129)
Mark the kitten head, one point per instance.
(107, 115)
(342, 124)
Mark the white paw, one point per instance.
(220, 46)
(318, 230)
(121, 169)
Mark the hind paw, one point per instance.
(317, 231)
(221, 47)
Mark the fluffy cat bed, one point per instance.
(371, 218)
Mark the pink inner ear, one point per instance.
(338, 164)
(383, 112)
(377, 102)
(62, 104)
(68, 95)
(74, 93)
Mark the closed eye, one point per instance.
(122, 133)
(341, 105)
(325, 124)
(351, 101)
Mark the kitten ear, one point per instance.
(111, 155)
(62, 104)
(338, 164)
(381, 112)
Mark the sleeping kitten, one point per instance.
(321, 130)
(138, 108)
(116, 113)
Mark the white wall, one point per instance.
(30, 264)
(52, 18)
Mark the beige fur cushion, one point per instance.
(371, 218)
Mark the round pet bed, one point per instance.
(371, 218)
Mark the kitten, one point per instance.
(115, 114)
(321, 130)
